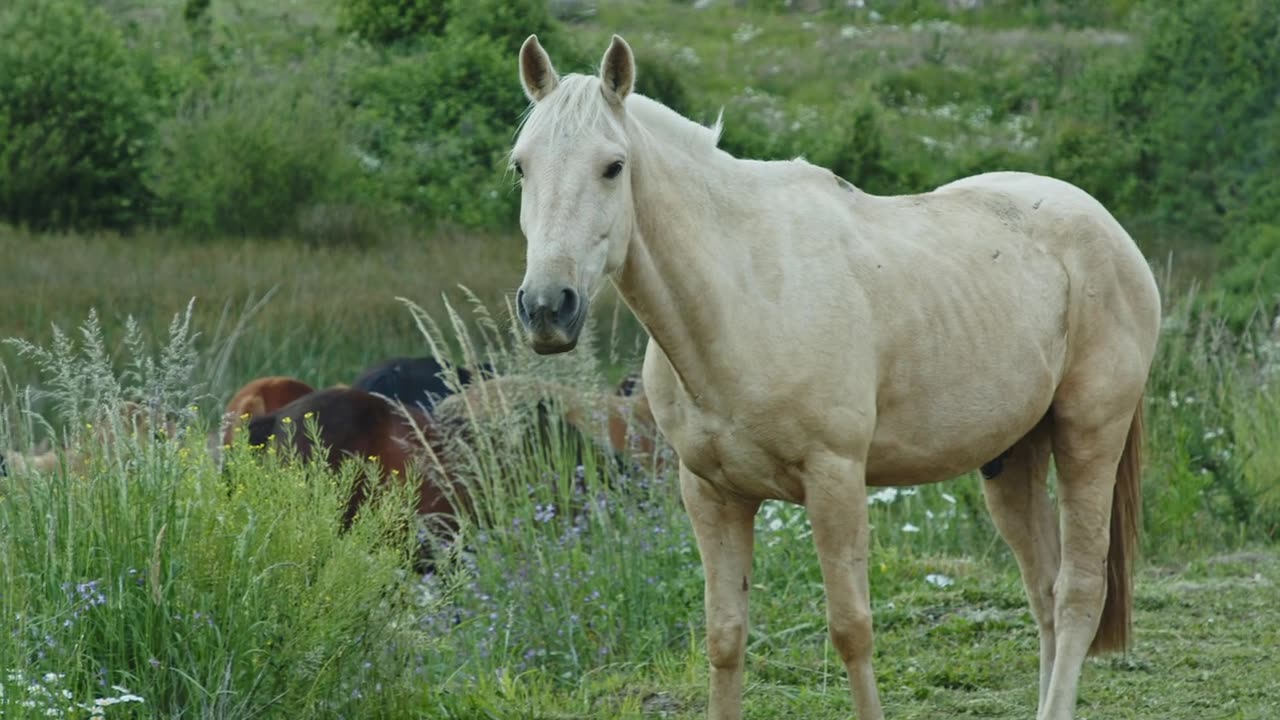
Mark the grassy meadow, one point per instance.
(331, 195)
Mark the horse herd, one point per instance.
(401, 415)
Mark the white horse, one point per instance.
(809, 339)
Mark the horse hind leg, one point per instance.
(1096, 439)
(1017, 495)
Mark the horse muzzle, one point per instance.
(552, 318)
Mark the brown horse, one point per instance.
(259, 397)
(631, 425)
(354, 423)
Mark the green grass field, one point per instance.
(155, 586)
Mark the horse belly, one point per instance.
(959, 402)
(952, 420)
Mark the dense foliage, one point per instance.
(75, 117)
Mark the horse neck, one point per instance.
(684, 248)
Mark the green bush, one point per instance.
(437, 119)
(507, 23)
(1194, 105)
(850, 141)
(1096, 159)
(1246, 289)
(657, 78)
(388, 21)
(439, 125)
(250, 158)
(74, 118)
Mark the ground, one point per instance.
(1206, 634)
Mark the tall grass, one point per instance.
(225, 594)
(319, 313)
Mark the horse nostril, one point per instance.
(521, 310)
(568, 305)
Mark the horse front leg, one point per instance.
(723, 527)
(836, 502)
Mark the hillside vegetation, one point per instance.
(351, 117)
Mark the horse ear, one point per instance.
(617, 71)
(536, 72)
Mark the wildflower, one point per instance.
(886, 496)
(909, 528)
(938, 580)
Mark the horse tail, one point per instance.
(1115, 628)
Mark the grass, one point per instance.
(1203, 633)
(319, 313)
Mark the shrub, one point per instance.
(439, 125)
(244, 157)
(508, 23)
(1193, 106)
(73, 116)
(437, 120)
(1096, 159)
(657, 78)
(850, 141)
(389, 21)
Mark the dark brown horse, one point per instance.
(417, 381)
(354, 423)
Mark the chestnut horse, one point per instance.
(808, 339)
(258, 397)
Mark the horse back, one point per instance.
(412, 381)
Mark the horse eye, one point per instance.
(519, 170)
(613, 170)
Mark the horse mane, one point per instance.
(577, 103)
(661, 120)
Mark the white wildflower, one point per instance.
(938, 580)
(886, 496)
(746, 33)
